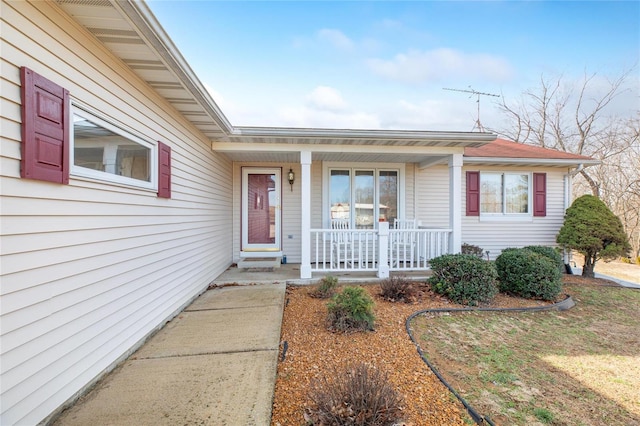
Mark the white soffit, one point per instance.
(129, 30)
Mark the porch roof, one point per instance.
(130, 30)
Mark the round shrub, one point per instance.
(464, 278)
(525, 273)
(550, 253)
(351, 310)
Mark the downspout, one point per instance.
(568, 185)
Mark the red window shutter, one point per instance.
(45, 129)
(164, 170)
(539, 194)
(473, 193)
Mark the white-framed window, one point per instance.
(505, 193)
(104, 151)
(365, 195)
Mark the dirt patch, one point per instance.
(313, 351)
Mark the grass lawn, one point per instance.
(577, 367)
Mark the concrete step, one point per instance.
(259, 262)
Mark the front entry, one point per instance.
(261, 208)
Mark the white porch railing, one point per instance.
(339, 250)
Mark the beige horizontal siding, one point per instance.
(495, 236)
(433, 196)
(91, 268)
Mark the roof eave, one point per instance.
(289, 132)
(555, 162)
(143, 19)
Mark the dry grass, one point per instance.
(578, 367)
(616, 268)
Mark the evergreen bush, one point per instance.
(464, 278)
(326, 289)
(525, 273)
(550, 253)
(351, 310)
(594, 231)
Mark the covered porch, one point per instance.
(305, 207)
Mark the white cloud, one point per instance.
(336, 38)
(311, 118)
(326, 98)
(417, 66)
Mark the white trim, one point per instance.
(305, 214)
(277, 244)
(515, 217)
(461, 137)
(530, 161)
(100, 119)
(455, 202)
(512, 217)
(327, 166)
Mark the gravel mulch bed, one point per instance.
(313, 352)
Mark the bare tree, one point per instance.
(575, 119)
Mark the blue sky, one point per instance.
(383, 65)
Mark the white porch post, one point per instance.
(305, 213)
(383, 250)
(455, 202)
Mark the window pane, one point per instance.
(388, 183)
(364, 196)
(340, 193)
(516, 189)
(490, 193)
(101, 149)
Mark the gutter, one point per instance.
(474, 137)
(581, 162)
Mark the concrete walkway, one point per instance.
(624, 283)
(214, 364)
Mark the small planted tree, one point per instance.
(351, 310)
(593, 230)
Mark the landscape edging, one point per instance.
(563, 305)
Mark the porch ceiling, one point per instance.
(349, 157)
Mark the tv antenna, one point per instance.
(477, 124)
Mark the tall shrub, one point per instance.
(528, 274)
(594, 231)
(550, 253)
(463, 278)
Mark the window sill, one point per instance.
(506, 218)
(101, 182)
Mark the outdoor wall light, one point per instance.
(292, 178)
